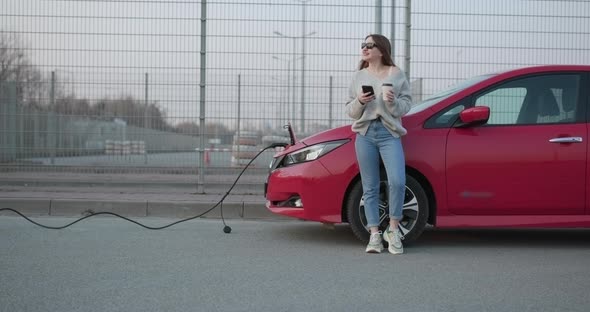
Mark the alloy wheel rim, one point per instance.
(409, 211)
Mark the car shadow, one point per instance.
(339, 234)
(342, 235)
(504, 237)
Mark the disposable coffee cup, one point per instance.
(384, 89)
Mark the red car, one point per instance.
(508, 149)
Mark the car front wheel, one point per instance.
(414, 215)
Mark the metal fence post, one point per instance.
(145, 119)
(303, 35)
(378, 16)
(239, 117)
(202, 99)
(408, 55)
(4, 100)
(392, 36)
(331, 102)
(9, 141)
(35, 147)
(21, 130)
(51, 124)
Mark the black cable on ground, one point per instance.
(226, 228)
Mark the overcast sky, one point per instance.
(104, 48)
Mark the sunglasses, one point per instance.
(368, 45)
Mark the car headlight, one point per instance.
(312, 152)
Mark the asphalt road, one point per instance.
(107, 264)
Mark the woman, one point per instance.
(377, 122)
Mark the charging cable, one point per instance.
(226, 228)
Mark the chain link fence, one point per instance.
(190, 87)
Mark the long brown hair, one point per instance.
(381, 43)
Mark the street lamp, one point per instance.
(288, 81)
(293, 58)
(302, 72)
(290, 94)
(280, 114)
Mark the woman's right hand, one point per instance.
(365, 98)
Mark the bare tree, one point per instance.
(15, 67)
(188, 128)
(213, 130)
(134, 112)
(71, 105)
(219, 131)
(31, 90)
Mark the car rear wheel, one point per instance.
(415, 210)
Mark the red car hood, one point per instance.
(324, 136)
(340, 133)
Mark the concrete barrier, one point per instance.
(28, 207)
(134, 208)
(76, 207)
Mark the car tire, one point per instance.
(415, 213)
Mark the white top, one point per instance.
(390, 113)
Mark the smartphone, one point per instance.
(368, 89)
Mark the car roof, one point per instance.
(544, 68)
(494, 77)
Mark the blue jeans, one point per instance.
(379, 141)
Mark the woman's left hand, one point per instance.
(389, 96)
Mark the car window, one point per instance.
(449, 116)
(441, 95)
(533, 100)
(505, 104)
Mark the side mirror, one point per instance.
(474, 116)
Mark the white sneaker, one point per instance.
(375, 243)
(394, 238)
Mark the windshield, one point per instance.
(437, 97)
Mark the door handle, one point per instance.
(566, 140)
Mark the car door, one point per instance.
(529, 158)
